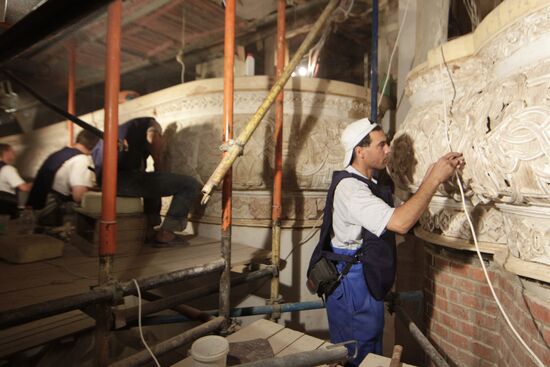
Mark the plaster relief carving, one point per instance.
(446, 217)
(498, 115)
(313, 121)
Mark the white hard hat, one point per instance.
(353, 134)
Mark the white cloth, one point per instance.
(74, 172)
(9, 179)
(355, 207)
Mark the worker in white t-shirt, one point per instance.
(10, 182)
(358, 237)
(63, 178)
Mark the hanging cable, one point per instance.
(471, 9)
(459, 182)
(393, 52)
(179, 56)
(140, 327)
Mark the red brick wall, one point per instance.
(463, 320)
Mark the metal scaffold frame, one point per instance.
(109, 291)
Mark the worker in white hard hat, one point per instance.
(358, 235)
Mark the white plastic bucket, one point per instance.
(210, 351)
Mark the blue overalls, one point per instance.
(355, 309)
(353, 313)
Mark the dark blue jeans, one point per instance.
(152, 186)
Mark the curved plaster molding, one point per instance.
(315, 113)
(499, 118)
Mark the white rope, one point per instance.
(139, 325)
(393, 52)
(458, 180)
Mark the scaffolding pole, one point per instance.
(424, 343)
(71, 88)
(278, 174)
(228, 92)
(237, 147)
(143, 357)
(107, 225)
(108, 293)
(165, 303)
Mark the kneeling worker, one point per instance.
(10, 182)
(358, 234)
(64, 177)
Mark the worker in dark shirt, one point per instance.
(143, 138)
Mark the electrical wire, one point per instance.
(393, 52)
(474, 236)
(309, 236)
(471, 9)
(139, 325)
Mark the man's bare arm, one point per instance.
(404, 217)
(78, 192)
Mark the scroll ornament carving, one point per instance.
(450, 221)
(501, 123)
(505, 142)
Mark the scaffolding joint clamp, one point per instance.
(118, 292)
(225, 147)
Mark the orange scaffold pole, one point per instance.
(278, 174)
(237, 147)
(107, 245)
(228, 92)
(71, 88)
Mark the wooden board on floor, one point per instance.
(38, 332)
(283, 341)
(26, 284)
(374, 360)
(74, 273)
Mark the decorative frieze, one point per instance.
(496, 111)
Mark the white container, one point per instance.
(210, 351)
(249, 64)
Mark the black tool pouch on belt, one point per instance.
(323, 278)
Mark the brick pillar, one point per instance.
(463, 320)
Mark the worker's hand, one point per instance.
(445, 167)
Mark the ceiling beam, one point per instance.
(38, 25)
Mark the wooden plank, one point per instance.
(42, 331)
(74, 273)
(262, 329)
(374, 360)
(283, 339)
(170, 258)
(302, 344)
